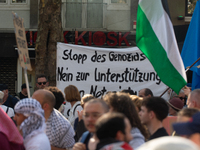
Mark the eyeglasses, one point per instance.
(93, 115)
(40, 83)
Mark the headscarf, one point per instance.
(35, 121)
(8, 128)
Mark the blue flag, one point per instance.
(191, 48)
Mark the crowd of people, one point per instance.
(52, 120)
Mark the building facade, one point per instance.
(103, 23)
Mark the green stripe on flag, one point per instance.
(149, 44)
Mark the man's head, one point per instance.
(42, 82)
(86, 98)
(72, 93)
(58, 95)
(145, 93)
(193, 100)
(29, 116)
(185, 114)
(24, 89)
(4, 89)
(153, 108)
(113, 125)
(46, 99)
(190, 129)
(175, 105)
(93, 109)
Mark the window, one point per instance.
(119, 1)
(190, 6)
(14, 2)
(2, 1)
(18, 1)
(118, 4)
(189, 9)
(83, 14)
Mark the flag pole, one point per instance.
(188, 68)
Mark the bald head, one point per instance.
(45, 96)
(193, 100)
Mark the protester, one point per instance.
(58, 128)
(190, 129)
(175, 105)
(8, 100)
(121, 102)
(145, 93)
(186, 114)
(193, 100)
(72, 95)
(23, 93)
(30, 121)
(137, 102)
(153, 111)
(42, 82)
(169, 143)
(93, 109)
(9, 134)
(183, 94)
(114, 132)
(9, 111)
(58, 95)
(80, 127)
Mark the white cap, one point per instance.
(169, 143)
(1, 95)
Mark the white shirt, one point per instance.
(38, 142)
(10, 112)
(64, 108)
(73, 114)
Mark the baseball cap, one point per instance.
(24, 86)
(3, 87)
(1, 94)
(169, 143)
(190, 127)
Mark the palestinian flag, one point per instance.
(155, 38)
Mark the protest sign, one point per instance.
(22, 47)
(21, 42)
(96, 70)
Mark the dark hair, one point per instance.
(128, 91)
(121, 102)
(58, 95)
(187, 112)
(109, 124)
(72, 93)
(42, 76)
(158, 105)
(148, 92)
(97, 100)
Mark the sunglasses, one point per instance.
(183, 98)
(40, 83)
